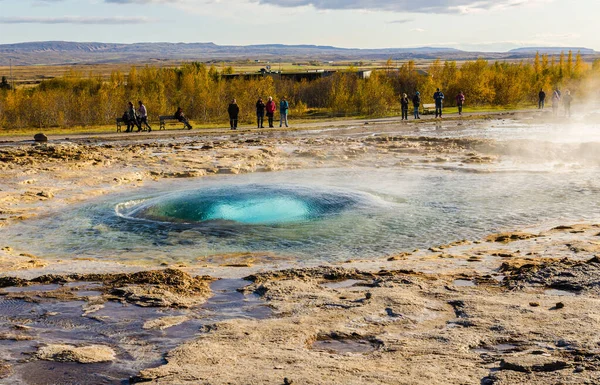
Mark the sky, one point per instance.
(475, 25)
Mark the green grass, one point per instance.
(311, 116)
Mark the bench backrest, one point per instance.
(167, 117)
(429, 105)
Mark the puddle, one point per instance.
(496, 349)
(115, 324)
(463, 283)
(561, 293)
(342, 284)
(344, 346)
(29, 289)
(228, 302)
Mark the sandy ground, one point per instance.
(519, 307)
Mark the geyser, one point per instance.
(247, 204)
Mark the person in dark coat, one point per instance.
(233, 111)
(181, 117)
(132, 119)
(541, 99)
(260, 112)
(417, 104)
(404, 106)
(438, 96)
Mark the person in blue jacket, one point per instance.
(438, 96)
(284, 106)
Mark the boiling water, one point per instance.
(325, 215)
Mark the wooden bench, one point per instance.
(428, 108)
(168, 118)
(120, 122)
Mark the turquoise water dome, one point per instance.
(248, 204)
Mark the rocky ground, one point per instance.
(517, 307)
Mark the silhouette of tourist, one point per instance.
(270, 108)
(181, 117)
(404, 106)
(555, 102)
(460, 100)
(233, 111)
(132, 118)
(438, 96)
(541, 99)
(567, 103)
(260, 112)
(284, 106)
(143, 115)
(417, 104)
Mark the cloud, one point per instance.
(417, 30)
(75, 20)
(403, 6)
(401, 21)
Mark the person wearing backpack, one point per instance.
(404, 106)
(416, 104)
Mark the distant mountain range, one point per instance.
(64, 52)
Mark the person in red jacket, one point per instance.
(270, 107)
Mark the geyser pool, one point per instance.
(325, 215)
(247, 204)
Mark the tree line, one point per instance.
(76, 99)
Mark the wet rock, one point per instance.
(5, 370)
(83, 355)
(532, 363)
(45, 194)
(40, 137)
(164, 322)
(510, 237)
(12, 281)
(565, 274)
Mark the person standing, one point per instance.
(567, 103)
(143, 115)
(555, 102)
(181, 117)
(233, 111)
(460, 100)
(260, 112)
(541, 99)
(404, 106)
(416, 104)
(270, 108)
(284, 106)
(132, 118)
(438, 96)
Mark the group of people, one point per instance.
(136, 118)
(262, 109)
(557, 100)
(139, 117)
(438, 97)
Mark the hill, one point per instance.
(64, 52)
